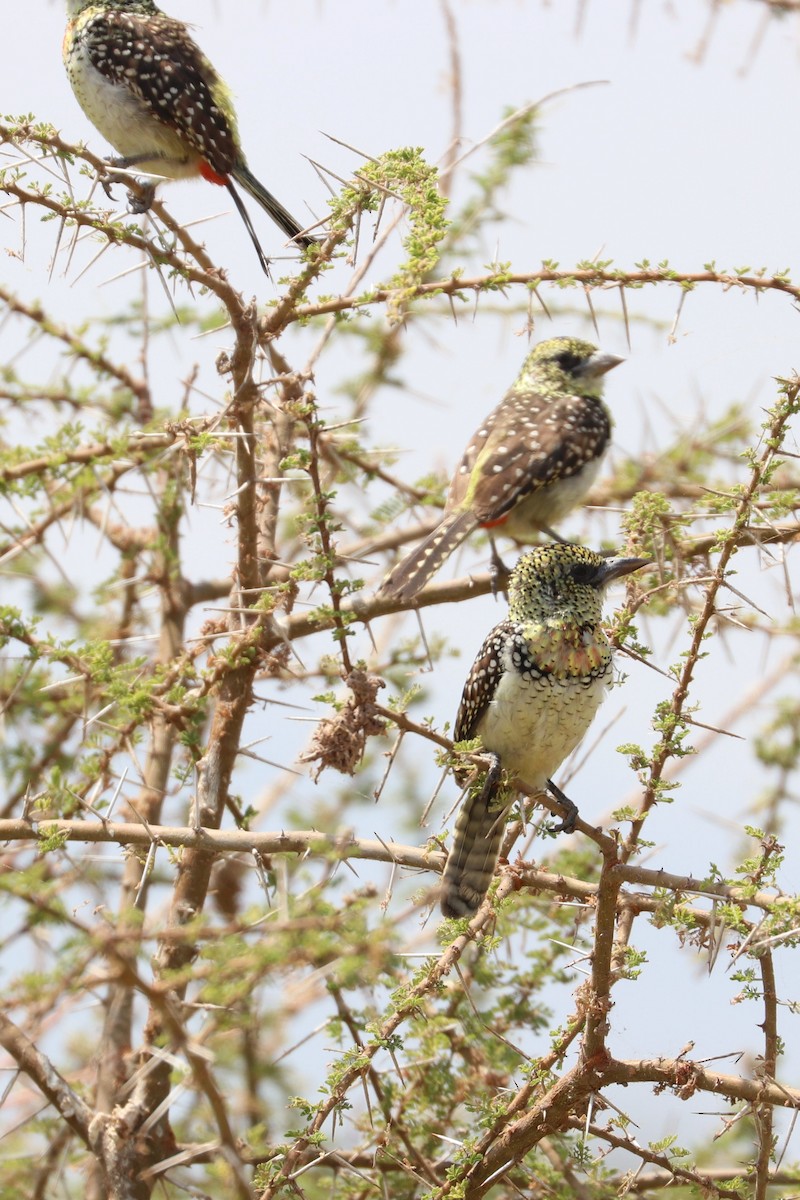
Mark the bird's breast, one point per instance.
(126, 121)
(548, 505)
(563, 650)
(539, 713)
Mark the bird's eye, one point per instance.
(568, 361)
(583, 572)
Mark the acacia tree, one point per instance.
(180, 942)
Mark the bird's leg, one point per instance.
(137, 204)
(498, 571)
(140, 203)
(130, 162)
(567, 825)
(492, 779)
(143, 203)
(555, 537)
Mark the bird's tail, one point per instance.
(281, 216)
(414, 571)
(472, 858)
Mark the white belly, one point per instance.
(533, 724)
(549, 504)
(127, 123)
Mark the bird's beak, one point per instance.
(615, 568)
(598, 364)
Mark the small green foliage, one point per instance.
(674, 728)
(638, 758)
(308, 1110)
(53, 840)
(405, 173)
(778, 745)
(644, 523)
(758, 871)
(634, 960)
(141, 685)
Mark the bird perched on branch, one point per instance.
(533, 459)
(531, 695)
(151, 92)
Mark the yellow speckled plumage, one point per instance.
(147, 87)
(531, 695)
(530, 463)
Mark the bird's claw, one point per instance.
(569, 820)
(140, 204)
(118, 172)
(492, 778)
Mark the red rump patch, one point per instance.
(493, 524)
(208, 172)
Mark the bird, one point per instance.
(530, 697)
(147, 87)
(532, 460)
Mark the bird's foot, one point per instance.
(139, 201)
(556, 537)
(567, 824)
(498, 572)
(492, 780)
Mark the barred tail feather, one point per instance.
(281, 216)
(473, 856)
(410, 575)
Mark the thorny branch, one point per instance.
(408, 1038)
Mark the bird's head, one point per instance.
(560, 579)
(567, 365)
(76, 7)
